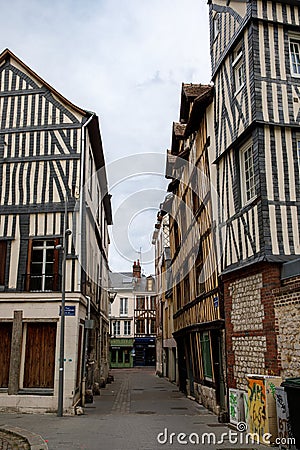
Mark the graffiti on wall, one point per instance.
(257, 407)
(283, 422)
(233, 406)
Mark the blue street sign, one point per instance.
(69, 310)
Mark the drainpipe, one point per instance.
(85, 342)
(81, 200)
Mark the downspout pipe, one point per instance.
(82, 198)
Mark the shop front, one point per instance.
(121, 353)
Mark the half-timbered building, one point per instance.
(144, 317)
(198, 313)
(254, 151)
(166, 351)
(52, 183)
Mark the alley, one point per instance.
(129, 414)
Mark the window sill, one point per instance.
(239, 90)
(248, 202)
(36, 391)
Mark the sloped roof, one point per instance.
(7, 54)
(125, 281)
(93, 125)
(199, 106)
(189, 92)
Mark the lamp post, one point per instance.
(67, 233)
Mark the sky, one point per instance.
(125, 60)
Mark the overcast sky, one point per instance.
(125, 60)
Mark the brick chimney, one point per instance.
(136, 269)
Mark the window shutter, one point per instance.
(28, 269)
(56, 266)
(3, 247)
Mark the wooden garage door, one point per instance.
(40, 355)
(5, 345)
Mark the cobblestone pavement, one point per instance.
(129, 414)
(12, 442)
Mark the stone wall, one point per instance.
(249, 358)
(287, 312)
(251, 343)
(247, 310)
(206, 396)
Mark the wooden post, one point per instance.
(15, 354)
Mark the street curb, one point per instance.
(35, 441)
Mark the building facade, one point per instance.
(198, 306)
(134, 311)
(254, 151)
(166, 351)
(144, 318)
(122, 320)
(53, 184)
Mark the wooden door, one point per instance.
(5, 346)
(40, 355)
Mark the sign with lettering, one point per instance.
(69, 310)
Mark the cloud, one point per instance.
(123, 59)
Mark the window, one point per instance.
(295, 56)
(90, 173)
(116, 328)
(99, 205)
(178, 295)
(247, 174)
(176, 235)
(113, 358)
(140, 326)
(140, 302)
(200, 284)
(206, 356)
(153, 303)
(152, 326)
(42, 267)
(123, 306)
(3, 249)
(216, 24)
(127, 327)
(149, 284)
(238, 69)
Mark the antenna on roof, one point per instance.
(140, 255)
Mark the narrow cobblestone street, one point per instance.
(129, 414)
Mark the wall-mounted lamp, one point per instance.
(112, 295)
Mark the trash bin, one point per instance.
(292, 388)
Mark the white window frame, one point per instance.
(123, 306)
(116, 328)
(248, 194)
(294, 39)
(44, 248)
(127, 327)
(238, 69)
